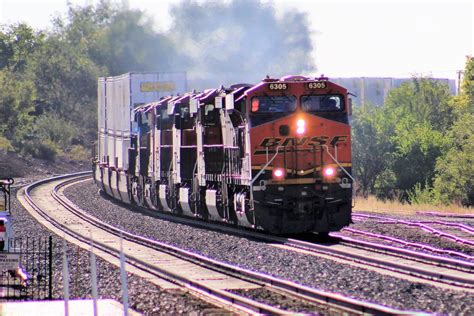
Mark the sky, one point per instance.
(381, 38)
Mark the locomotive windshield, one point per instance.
(272, 104)
(322, 103)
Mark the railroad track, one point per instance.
(417, 266)
(448, 215)
(210, 279)
(459, 233)
(436, 269)
(405, 243)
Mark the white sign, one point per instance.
(9, 261)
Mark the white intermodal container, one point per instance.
(117, 98)
(102, 119)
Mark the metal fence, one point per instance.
(26, 269)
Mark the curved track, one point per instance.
(158, 259)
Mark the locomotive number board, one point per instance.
(278, 86)
(317, 85)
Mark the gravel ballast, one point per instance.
(316, 272)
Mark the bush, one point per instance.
(79, 153)
(45, 149)
(419, 195)
(5, 144)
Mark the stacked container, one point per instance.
(117, 98)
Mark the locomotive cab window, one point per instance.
(322, 103)
(272, 104)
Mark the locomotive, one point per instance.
(274, 156)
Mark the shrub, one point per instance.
(42, 149)
(5, 144)
(419, 195)
(79, 153)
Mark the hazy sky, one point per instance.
(352, 38)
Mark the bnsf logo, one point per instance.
(300, 141)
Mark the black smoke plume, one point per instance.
(239, 41)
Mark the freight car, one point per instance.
(274, 156)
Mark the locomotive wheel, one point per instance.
(201, 207)
(137, 191)
(323, 236)
(154, 197)
(141, 192)
(129, 188)
(171, 198)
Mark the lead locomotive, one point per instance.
(274, 156)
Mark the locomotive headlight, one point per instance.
(329, 172)
(300, 126)
(278, 174)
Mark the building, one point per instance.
(374, 90)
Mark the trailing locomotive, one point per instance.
(274, 156)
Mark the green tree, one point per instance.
(17, 43)
(117, 38)
(17, 96)
(396, 146)
(65, 80)
(17, 90)
(454, 179)
(455, 169)
(423, 99)
(371, 148)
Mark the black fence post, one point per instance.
(50, 294)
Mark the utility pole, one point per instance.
(460, 73)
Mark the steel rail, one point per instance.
(453, 215)
(236, 302)
(407, 243)
(466, 228)
(394, 251)
(388, 265)
(283, 286)
(420, 225)
(444, 278)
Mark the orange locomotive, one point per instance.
(300, 136)
(274, 156)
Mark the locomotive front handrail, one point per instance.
(268, 163)
(337, 162)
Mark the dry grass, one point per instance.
(371, 204)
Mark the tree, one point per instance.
(17, 96)
(116, 38)
(396, 146)
(455, 169)
(371, 148)
(425, 100)
(65, 80)
(17, 90)
(17, 43)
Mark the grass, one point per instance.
(371, 204)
